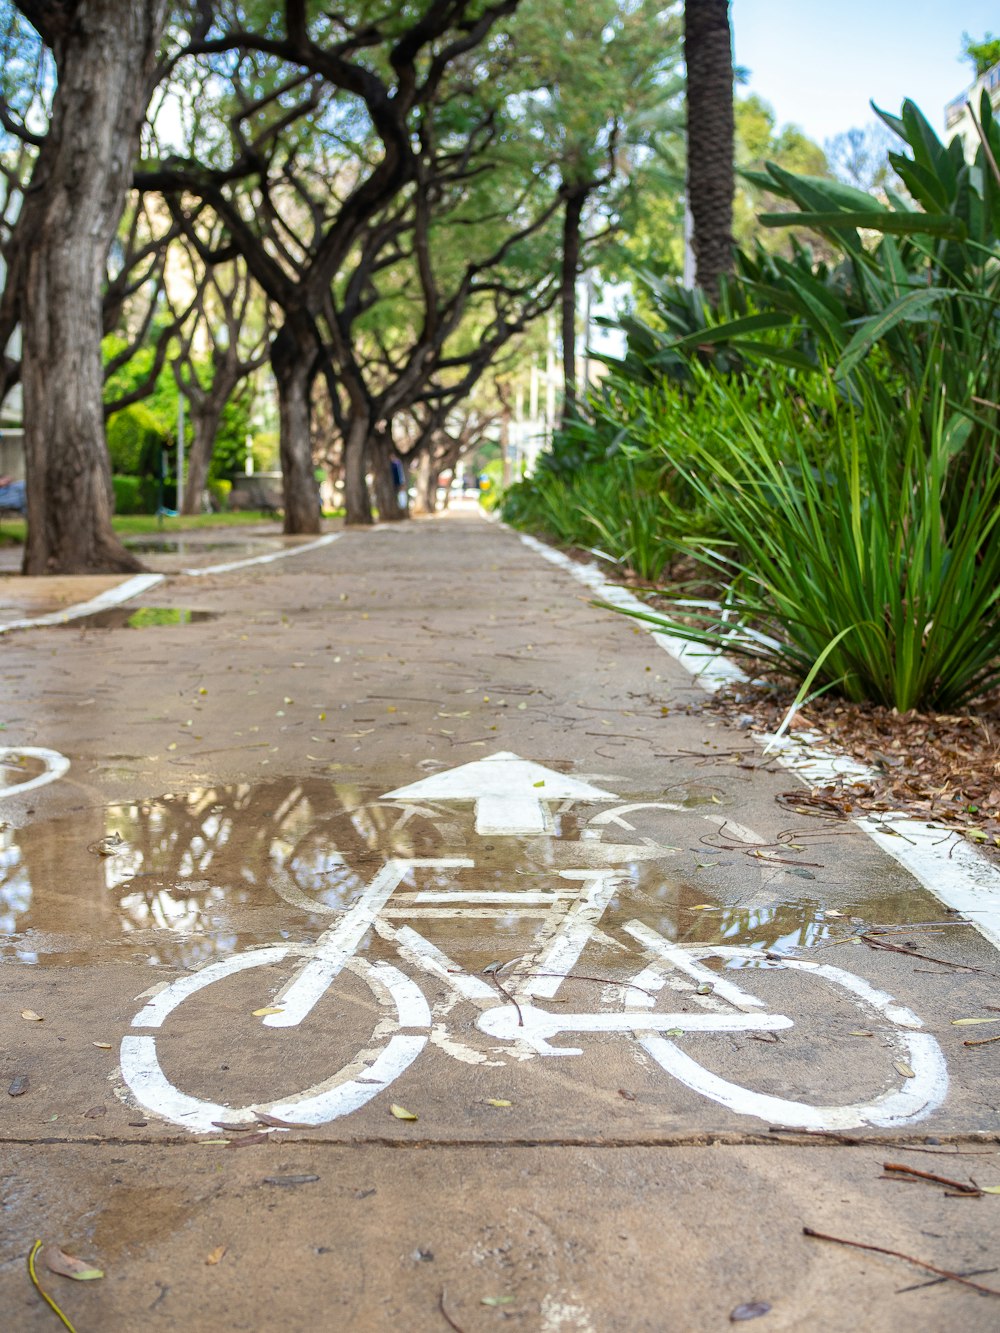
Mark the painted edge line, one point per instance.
(263, 559)
(140, 583)
(956, 874)
(124, 592)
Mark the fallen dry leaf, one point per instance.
(216, 1254)
(401, 1113)
(18, 1085)
(967, 1022)
(903, 1068)
(497, 1101)
(58, 1261)
(263, 1118)
(31, 1016)
(268, 1009)
(102, 1045)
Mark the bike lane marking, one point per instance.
(572, 921)
(56, 765)
(123, 592)
(957, 876)
(511, 794)
(140, 583)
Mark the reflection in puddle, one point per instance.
(141, 617)
(16, 769)
(201, 874)
(179, 546)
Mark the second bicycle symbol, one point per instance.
(401, 939)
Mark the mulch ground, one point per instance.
(943, 768)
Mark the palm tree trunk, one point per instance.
(708, 55)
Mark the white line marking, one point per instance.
(337, 1096)
(919, 1096)
(335, 946)
(56, 765)
(574, 932)
(415, 949)
(263, 559)
(124, 592)
(141, 583)
(535, 1026)
(684, 961)
(510, 793)
(957, 875)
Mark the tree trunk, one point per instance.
(293, 358)
(709, 58)
(380, 454)
(567, 298)
(104, 53)
(357, 502)
(426, 479)
(205, 422)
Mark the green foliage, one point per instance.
(135, 437)
(612, 485)
(220, 492)
(917, 277)
(824, 445)
(128, 494)
(841, 563)
(984, 55)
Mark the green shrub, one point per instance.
(134, 441)
(127, 494)
(220, 490)
(842, 566)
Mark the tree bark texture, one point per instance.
(381, 452)
(426, 487)
(205, 423)
(709, 58)
(357, 501)
(104, 53)
(293, 358)
(567, 298)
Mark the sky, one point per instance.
(820, 62)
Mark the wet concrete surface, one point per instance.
(227, 797)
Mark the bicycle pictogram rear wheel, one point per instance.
(400, 1003)
(915, 1081)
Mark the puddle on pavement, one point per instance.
(178, 546)
(16, 769)
(690, 795)
(199, 875)
(141, 617)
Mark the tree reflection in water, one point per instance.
(194, 876)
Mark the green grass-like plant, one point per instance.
(857, 557)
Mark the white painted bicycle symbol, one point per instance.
(516, 1017)
(53, 765)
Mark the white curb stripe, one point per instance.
(949, 867)
(122, 593)
(263, 559)
(133, 587)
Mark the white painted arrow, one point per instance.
(510, 793)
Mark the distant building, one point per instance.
(956, 114)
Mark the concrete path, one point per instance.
(403, 821)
